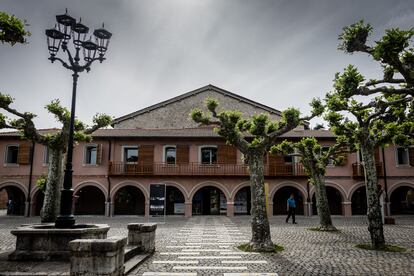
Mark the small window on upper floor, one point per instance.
(130, 154)
(170, 154)
(288, 159)
(402, 157)
(12, 154)
(90, 155)
(208, 155)
(46, 155)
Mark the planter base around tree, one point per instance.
(44, 242)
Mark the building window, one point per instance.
(402, 156)
(170, 154)
(208, 155)
(12, 153)
(90, 155)
(46, 155)
(130, 154)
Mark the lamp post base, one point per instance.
(65, 221)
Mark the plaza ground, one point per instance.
(205, 245)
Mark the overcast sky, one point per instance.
(279, 53)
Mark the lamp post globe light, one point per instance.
(93, 49)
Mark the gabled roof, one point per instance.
(209, 87)
(42, 131)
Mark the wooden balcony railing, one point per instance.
(190, 169)
(358, 169)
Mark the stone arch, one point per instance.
(96, 184)
(179, 187)
(238, 188)
(89, 199)
(129, 183)
(283, 191)
(335, 203)
(14, 184)
(401, 198)
(398, 185)
(287, 184)
(333, 185)
(129, 198)
(17, 193)
(209, 198)
(353, 188)
(210, 183)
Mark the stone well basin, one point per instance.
(41, 242)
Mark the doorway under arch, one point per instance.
(359, 201)
(129, 200)
(334, 201)
(402, 201)
(280, 200)
(175, 201)
(209, 200)
(16, 200)
(90, 200)
(243, 201)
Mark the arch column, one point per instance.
(27, 209)
(308, 211)
(269, 208)
(188, 213)
(108, 208)
(347, 208)
(230, 208)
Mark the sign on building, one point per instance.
(157, 200)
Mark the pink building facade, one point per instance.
(203, 175)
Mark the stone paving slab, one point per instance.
(306, 252)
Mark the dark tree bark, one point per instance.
(50, 208)
(261, 239)
(375, 225)
(322, 205)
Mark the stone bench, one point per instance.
(143, 235)
(104, 257)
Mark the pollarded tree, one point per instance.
(12, 29)
(386, 116)
(56, 143)
(254, 138)
(315, 159)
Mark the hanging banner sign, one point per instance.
(157, 200)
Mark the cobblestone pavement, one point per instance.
(206, 246)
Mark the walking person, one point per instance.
(291, 207)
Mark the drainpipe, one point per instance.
(384, 167)
(30, 179)
(108, 200)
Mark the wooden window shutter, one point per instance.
(226, 154)
(98, 154)
(411, 155)
(23, 157)
(146, 154)
(276, 159)
(231, 155)
(222, 154)
(183, 154)
(377, 155)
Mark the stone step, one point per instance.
(131, 251)
(136, 260)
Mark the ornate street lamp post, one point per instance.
(57, 38)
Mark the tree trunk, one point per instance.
(375, 226)
(261, 239)
(54, 180)
(322, 204)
